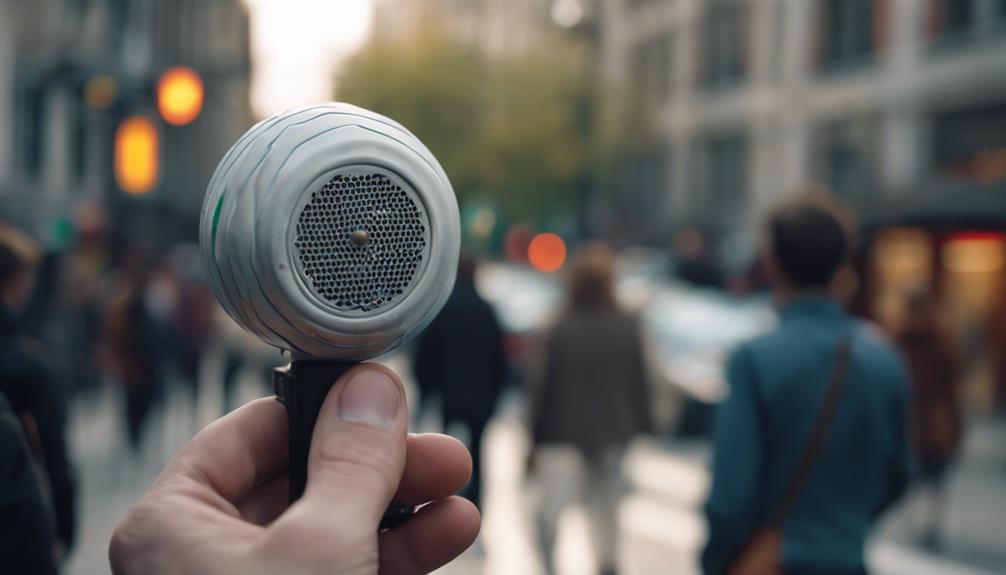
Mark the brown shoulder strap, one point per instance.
(825, 415)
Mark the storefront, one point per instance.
(949, 241)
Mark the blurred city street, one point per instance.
(580, 230)
(661, 530)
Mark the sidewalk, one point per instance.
(662, 530)
(975, 526)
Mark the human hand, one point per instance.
(221, 505)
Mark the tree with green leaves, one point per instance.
(506, 128)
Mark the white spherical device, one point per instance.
(330, 231)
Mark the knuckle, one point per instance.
(126, 549)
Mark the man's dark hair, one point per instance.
(811, 238)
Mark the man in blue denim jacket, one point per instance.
(777, 383)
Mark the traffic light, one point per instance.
(180, 95)
(136, 155)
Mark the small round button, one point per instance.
(360, 237)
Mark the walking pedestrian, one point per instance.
(460, 357)
(589, 397)
(936, 419)
(812, 442)
(27, 381)
(131, 346)
(27, 538)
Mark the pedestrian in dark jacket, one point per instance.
(132, 346)
(27, 380)
(460, 358)
(27, 540)
(777, 387)
(589, 397)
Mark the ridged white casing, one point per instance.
(249, 222)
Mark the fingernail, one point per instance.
(369, 398)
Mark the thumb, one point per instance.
(358, 448)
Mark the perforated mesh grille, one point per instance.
(361, 240)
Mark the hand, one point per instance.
(221, 505)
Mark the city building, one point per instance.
(745, 99)
(896, 106)
(71, 71)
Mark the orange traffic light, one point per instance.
(136, 155)
(180, 95)
(547, 252)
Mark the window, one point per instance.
(847, 30)
(78, 141)
(31, 129)
(970, 144)
(779, 19)
(952, 20)
(957, 15)
(652, 70)
(722, 179)
(118, 20)
(724, 43)
(846, 155)
(646, 181)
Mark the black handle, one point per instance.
(302, 387)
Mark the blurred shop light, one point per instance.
(975, 252)
(903, 250)
(136, 155)
(546, 252)
(100, 91)
(180, 95)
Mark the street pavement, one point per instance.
(661, 530)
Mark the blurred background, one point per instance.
(665, 128)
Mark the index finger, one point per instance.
(236, 452)
(436, 466)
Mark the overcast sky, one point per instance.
(296, 46)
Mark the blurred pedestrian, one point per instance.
(589, 397)
(81, 316)
(192, 322)
(812, 442)
(242, 351)
(693, 262)
(996, 344)
(460, 358)
(131, 345)
(30, 386)
(936, 417)
(27, 537)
